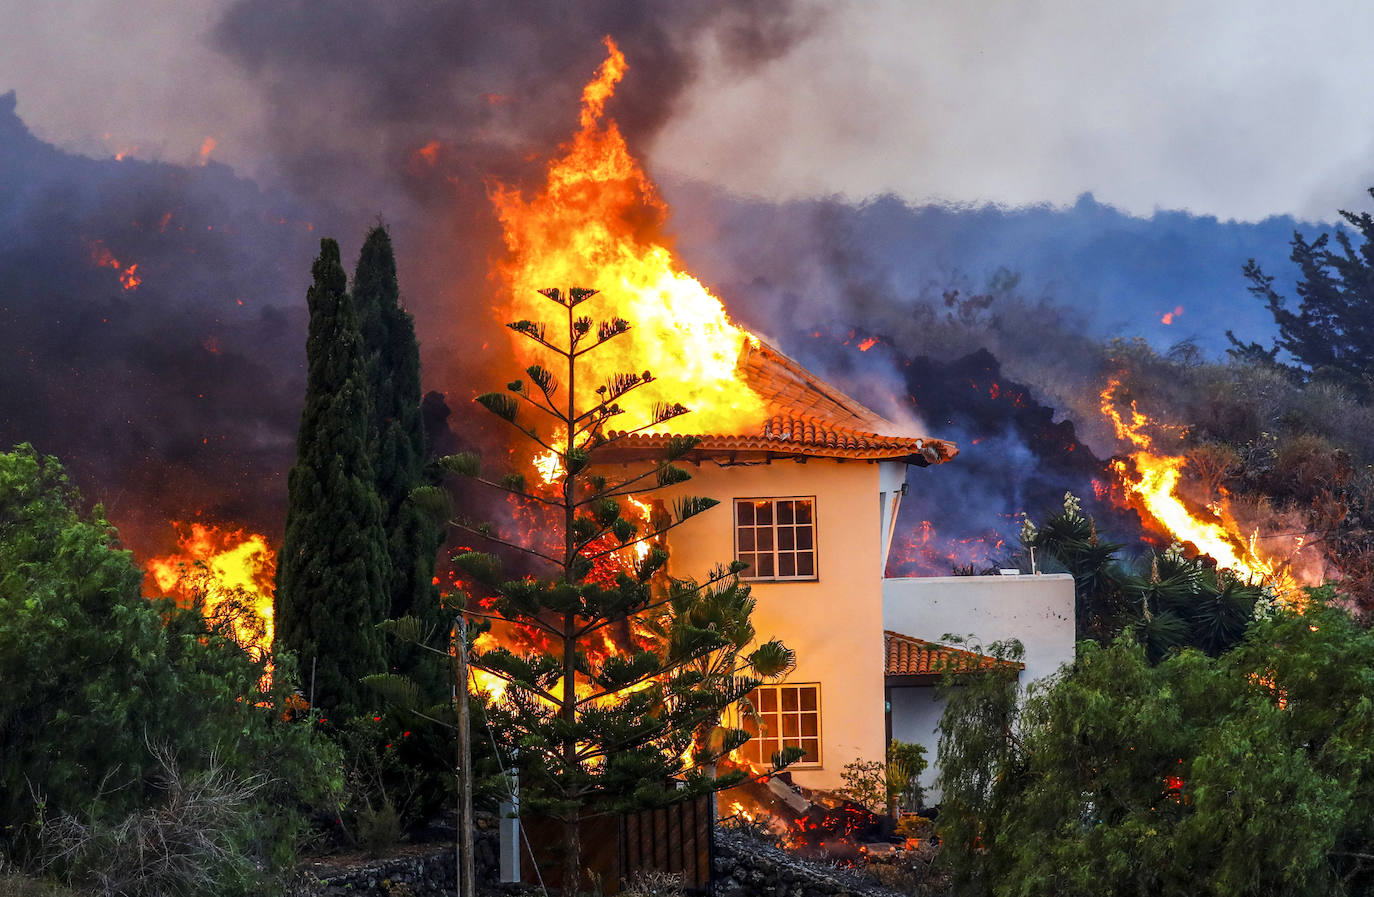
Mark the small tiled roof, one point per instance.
(809, 418)
(908, 656)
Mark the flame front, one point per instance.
(597, 223)
(1153, 479)
(218, 564)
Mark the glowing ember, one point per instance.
(1152, 481)
(216, 565)
(597, 224)
(101, 256)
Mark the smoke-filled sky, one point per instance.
(916, 172)
(1233, 109)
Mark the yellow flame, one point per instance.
(596, 223)
(550, 467)
(1154, 485)
(217, 562)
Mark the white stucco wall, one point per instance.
(1037, 610)
(834, 624)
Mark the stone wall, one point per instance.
(746, 867)
(417, 871)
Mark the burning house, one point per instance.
(809, 480)
(808, 500)
(799, 495)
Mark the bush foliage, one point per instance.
(105, 688)
(1246, 773)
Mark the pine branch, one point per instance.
(578, 295)
(616, 437)
(526, 619)
(547, 409)
(535, 331)
(544, 379)
(500, 404)
(520, 683)
(530, 434)
(499, 541)
(611, 329)
(466, 464)
(667, 411)
(510, 488)
(606, 330)
(620, 384)
(720, 576)
(663, 480)
(688, 506)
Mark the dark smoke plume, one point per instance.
(414, 109)
(178, 396)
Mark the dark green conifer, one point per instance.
(393, 371)
(334, 568)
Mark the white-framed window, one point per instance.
(783, 716)
(776, 537)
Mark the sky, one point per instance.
(1234, 109)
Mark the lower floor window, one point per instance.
(783, 716)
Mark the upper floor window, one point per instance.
(776, 537)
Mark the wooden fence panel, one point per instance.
(677, 839)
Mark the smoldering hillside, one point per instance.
(172, 390)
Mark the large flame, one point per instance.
(216, 564)
(596, 223)
(1152, 479)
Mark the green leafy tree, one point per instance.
(1331, 333)
(334, 570)
(103, 689)
(393, 372)
(1246, 773)
(602, 731)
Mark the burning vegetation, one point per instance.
(228, 573)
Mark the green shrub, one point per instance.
(103, 688)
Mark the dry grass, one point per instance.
(187, 844)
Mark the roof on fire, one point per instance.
(905, 655)
(809, 418)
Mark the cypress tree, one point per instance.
(334, 568)
(393, 372)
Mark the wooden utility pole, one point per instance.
(464, 867)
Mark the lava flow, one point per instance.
(222, 568)
(597, 223)
(1151, 481)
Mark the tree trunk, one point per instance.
(572, 857)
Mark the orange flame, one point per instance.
(597, 223)
(101, 256)
(220, 563)
(1153, 484)
(206, 148)
(1169, 316)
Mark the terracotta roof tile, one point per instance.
(908, 656)
(810, 418)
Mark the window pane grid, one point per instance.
(776, 537)
(784, 716)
